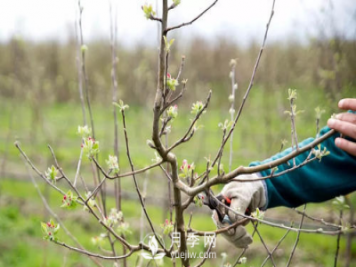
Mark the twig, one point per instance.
(264, 244)
(309, 231)
(86, 89)
(166, 173)
(82, 251)
(219, 231)
(193, 20)
(232, 108)
(135, 181)
(186, 135)
(142, 211)
(62, 172)
(114, 86)
(128, 173)
(79, 66)
(83, 70)
(293, 128)
(155, 18)
(273, 174)
(317, 219)
(254, 169)
(206, 253)
(95, 190)
(37, 171)
(48, 208)
(279, 242)
(165, 122)
(78, 168)
(338, 242)
(220, 157)
(169, 192)
(123, 241)
(243, 251)
(170, 102)
(250, 84)
(298, 235)
(349, 237)
(112, 245)
(181, 68)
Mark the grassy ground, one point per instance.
(258, 136)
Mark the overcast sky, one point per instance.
(239, 20)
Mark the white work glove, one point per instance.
(243, 195)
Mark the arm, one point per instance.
(319, 181)
(315, 182)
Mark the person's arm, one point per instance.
(317, 181)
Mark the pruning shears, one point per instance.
(218, 203)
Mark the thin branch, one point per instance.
(83, 70)
(264, 244)
(251, 81)
(276, 247)
(243, 251)
(95, 190)
(79, 66)
(166, 173)
(128, 173)
(78, 168)
(170, 102)
(79, 197)
(232, 108)
(206, 253)
(37, 171)
(220, 157)
(282, 226)
(155, 18)
(273, 174)
(135, 181)
(181, 68)
(55, 216)
(114, 87)
(62, 172)
(186, 135)
(164, 125)
(88, 253)
(193, 20)
(298, 235)
(248, 170)
(338, 242)
(317, 219)
(86, 89)
(219, 231)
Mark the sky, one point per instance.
(241, 21)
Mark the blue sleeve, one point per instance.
(316, 181)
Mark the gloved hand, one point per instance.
(243, 195)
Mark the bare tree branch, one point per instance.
(298, 235)
(128, 173)
(135, 181)
(279, 242)
(248, 170)
(186, 137)
(250, 84)
(193, 20)
(338, 241)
